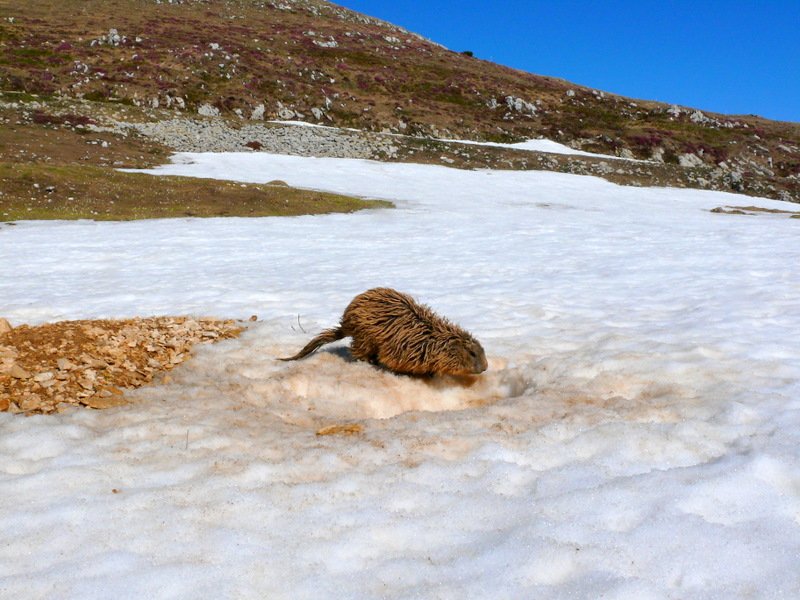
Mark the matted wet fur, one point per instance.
(391, 330)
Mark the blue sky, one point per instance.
(730, 57)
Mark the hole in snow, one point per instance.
(328, 384)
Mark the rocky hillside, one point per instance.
(249, 61)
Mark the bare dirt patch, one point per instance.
(753, 210)
(92, 363)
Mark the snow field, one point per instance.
(636, 435)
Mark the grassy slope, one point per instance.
(59, 170)
(37, 191)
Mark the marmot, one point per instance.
(391, 330)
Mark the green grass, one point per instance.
(40, 192)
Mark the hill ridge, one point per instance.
(311, 60)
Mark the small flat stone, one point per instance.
(86, 384)
(107, 392)
(5, 326)
(18, 372)
(349, 429)
(7, 352)
(31, 402)
(101, 403)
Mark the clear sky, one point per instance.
(734, 57)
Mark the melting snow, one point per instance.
(636, 435)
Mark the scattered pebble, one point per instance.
(52, 367)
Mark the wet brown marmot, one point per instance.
(391, 330)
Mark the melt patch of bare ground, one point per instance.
(753, 210)
(93, 363)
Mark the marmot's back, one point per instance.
(390, 329)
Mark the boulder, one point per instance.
(690, 160)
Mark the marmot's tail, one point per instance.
(326, 337)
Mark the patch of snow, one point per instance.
(305, 124)
(636, 436)
(539, 145)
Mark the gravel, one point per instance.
(194, 135)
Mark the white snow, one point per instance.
(636, 437)
(296, 123)
(537, 145)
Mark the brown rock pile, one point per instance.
(49, 368)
